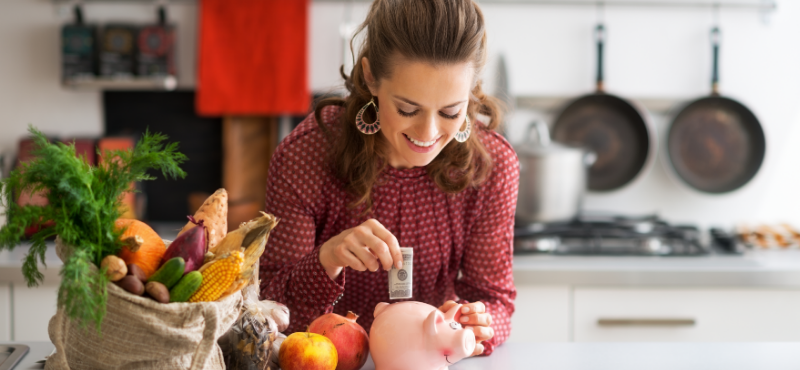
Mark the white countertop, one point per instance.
(596, 356)
(775, 268)
(763, 268)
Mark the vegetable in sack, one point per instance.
(214, 214)
(135, 270)
(170, 272)
(131, 284)
(218, 277)
(191, 246)
(115, 267)
(141, 245)
(186, 287)
(157, 291)
(84, 203)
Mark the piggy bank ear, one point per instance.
(429, 326)
(379, 308)
(450, 315)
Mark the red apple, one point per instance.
(307, 351)
(350, 339)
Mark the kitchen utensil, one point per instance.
(552, 178)
(502, 90)
(616, 130)
(10, 355)
(715, 144)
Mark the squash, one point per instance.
(142, 245)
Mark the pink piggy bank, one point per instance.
(415, 335)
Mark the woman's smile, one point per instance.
(421, 146)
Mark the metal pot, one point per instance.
(552, 178)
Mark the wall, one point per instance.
(651, 53)
(30, 72)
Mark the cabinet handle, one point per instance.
(646, 322)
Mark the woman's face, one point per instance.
(422, 106)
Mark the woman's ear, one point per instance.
(368, 77)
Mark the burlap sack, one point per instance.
(140, 333)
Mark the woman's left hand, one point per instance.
(474, 316)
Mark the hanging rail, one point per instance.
(751, 4)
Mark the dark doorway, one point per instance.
(130, 113)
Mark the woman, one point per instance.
(401, 161)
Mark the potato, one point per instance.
(131, 284)
(135, 270)
(157, 291)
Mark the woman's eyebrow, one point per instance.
(418, 105)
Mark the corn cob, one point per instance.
(218, 277)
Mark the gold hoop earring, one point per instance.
(368, 128)
(462, 136)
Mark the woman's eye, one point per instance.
(407, 114)
(448, 116)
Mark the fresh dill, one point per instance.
(84, 203)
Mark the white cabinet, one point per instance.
(542, 314)
(33, 308)
(5, 312)
(686, 314)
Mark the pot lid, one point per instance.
(541, 144)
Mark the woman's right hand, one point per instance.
(368, 246)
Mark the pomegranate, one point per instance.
(349, 338)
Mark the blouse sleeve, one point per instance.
(291, 272)
(487, 263)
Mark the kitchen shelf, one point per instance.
(134, 83)
(552, 104)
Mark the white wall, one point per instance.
(30, 71)
(651, 53)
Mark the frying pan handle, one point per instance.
(600, 36)
(542, 132)
(715, 57)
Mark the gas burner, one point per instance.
(609, 235)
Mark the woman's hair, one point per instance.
(439, 32)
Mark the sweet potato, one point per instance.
(214, 214)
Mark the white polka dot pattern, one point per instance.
(471, 232)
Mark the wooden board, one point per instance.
(247, 146)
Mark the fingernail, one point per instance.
(464, 319)
(399, 264)
(465, 309)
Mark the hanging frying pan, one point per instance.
(611, 127)
(716, 144)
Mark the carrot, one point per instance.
(214, 214)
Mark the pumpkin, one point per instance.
(142, 245)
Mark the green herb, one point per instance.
(84, 203)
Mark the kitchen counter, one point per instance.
(595, 356)
(773, 268)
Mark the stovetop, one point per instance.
(610, 235)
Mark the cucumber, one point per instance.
(186, 287)
(170, 272)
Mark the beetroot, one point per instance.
(191, 246)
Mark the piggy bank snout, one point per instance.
(463, 343)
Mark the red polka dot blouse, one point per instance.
(462, 243)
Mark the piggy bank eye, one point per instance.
(455, 326)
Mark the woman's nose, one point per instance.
(427, 130)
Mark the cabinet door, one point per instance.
(33, 308)
(5, 312)
(541, 315)
(674, 315)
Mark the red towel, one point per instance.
(253, 57)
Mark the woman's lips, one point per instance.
(421, 149)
